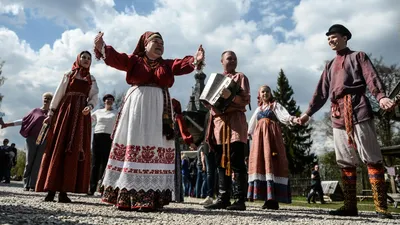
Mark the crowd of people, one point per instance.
(133, 161)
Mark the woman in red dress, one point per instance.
(141, 167)
(65, 164)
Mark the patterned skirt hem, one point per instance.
(268, 190)
(134, 200)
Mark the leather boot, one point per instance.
(224, 186)
(349, 179)
(240, 193)
(376, 174)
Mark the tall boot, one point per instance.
(240, 193)
(376, 174)
(224, 195)
(349, 179)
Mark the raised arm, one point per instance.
(181, 66)
(120, 61)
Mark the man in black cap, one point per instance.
(345, 80)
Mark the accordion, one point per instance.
(211, 94)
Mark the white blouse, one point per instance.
(281, 113)
(104, 120)
(62, 87)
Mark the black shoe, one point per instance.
(50, 196)
(237, 205)
(342, 211)
(219, 204)
(384, 215)
(271, 204)
(90, 193)
(63, 198)
(26, 189)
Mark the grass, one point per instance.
(365, 205)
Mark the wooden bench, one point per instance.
(365, 194)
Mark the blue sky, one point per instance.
(39, 40)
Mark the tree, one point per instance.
(297, 139)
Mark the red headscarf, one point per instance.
(259, 99)
(144, 39)
(77, 68)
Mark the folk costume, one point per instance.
(345, 80)
(65, 164)
(141, 167)
(180, 131)
(268, 166)
(227, 137)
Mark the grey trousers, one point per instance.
(367, 145)
(34, 155)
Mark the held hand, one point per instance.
(203, 168)
(5, 125)
(86, 110)
(303, 119)
(249, 136)
(47, 120)
(98, 41)
(386, 103)
(193, 147)
(296, 120)
(200, 54)
(225, 93)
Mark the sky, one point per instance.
(40, 39)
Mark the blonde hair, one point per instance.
(48, 94)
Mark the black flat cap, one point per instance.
(340, 29)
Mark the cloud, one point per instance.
(218, 25)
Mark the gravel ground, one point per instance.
(20, 207)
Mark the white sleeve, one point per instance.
(94, 118)
(17, 122)
(283, 115)
(253, 121)
(93, 98)
(60, 92)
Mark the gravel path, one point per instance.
(20, 207)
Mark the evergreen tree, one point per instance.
(297, 139)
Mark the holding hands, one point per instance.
(301, 120)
